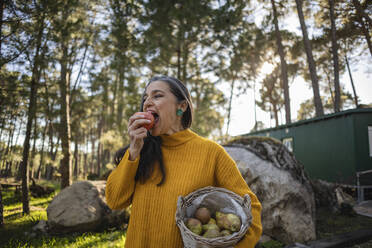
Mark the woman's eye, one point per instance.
(157, 96)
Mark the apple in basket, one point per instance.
(194, 225)
(204, 224)
(228, 221)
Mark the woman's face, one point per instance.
(161, 102)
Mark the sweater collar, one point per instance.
(178, 138)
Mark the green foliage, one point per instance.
(272, 244)
(111, 140)
(93, 176)
(307, 110)
(108, 50)
(258, 126)
(206, 98)
(271, 94)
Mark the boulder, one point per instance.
(281, 185)
(324, 193)
(82, 207)
(333, 196)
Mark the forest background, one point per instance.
(72, 72)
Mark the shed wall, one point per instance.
(325, 148)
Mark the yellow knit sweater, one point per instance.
(191, 162)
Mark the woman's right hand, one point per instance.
(136, 133)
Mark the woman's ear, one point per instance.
(183, 105)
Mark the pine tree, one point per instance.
(311, 63)
(283, 65)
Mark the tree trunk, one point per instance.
(99, 148)
(230, 103)
(38, 173)
(99, 158)
(114, 94)
(283, 64)
(1, 135)
(360, 11)
(352, 83)
(337, 99)
(85, 165)
(360, 14)
(185, 59)
(2, 5)
(76, 153)
(31, 116)
(20, 129)
(179, 59)
(1, 209)
(11, 133)
(92, 166)
(255, 106)
(65, 132)
(64, 85)
(13, 143)
(314, 78)
(121, 103)
(366, 34)
(32, 168)
(51, 134)
(276, 115)
(26, 146)
(53, 153)
(79, 165)
(330, 88)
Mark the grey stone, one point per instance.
(82, 207)
(281, 185)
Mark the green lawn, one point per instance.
(17, 228)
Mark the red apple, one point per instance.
(148, 116)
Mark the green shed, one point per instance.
(332, 147)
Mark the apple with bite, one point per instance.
(148, 116)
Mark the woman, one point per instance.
(169, 161)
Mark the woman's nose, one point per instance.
(147, 102)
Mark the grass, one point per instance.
(17, 228)
(17, 232)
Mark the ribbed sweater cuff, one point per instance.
(128, 167)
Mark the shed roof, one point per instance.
(316, 119)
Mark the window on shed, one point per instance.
(370, 140)
(288, 142)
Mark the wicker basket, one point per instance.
(228, 202)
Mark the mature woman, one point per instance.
(168, 161)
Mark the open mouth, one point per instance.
(156, 116)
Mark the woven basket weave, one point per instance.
(192, 240)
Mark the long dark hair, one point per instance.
(151, 150)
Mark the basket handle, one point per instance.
(247, 200)
(180, 211)
(180, 202)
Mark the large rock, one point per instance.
(333, 196)
(281, 185)
(81, 207)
